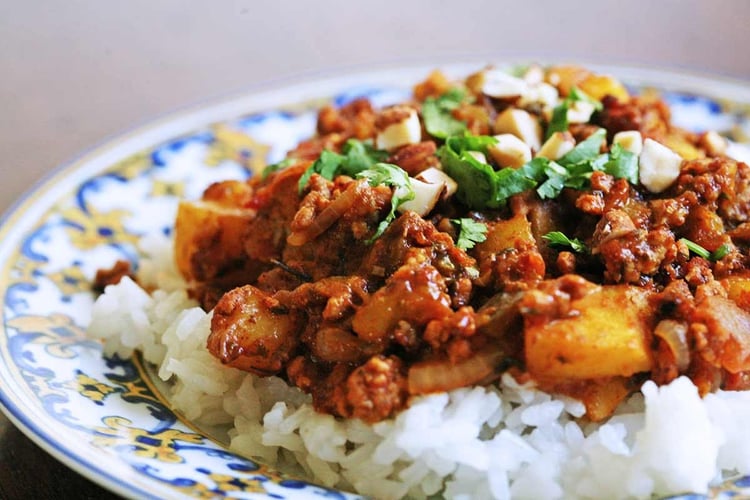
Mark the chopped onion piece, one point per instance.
(674, 334)
(437, 376)
(328, 216)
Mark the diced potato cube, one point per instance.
(680, 144)
(598, 86)
(565, 77)
(206, 225)
(506, 234)
(738, 290)
(595, 342)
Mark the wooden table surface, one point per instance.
(75, 73)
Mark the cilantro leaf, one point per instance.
(511, 181)
(356, 156)
(326, 165)
(469, 142)
(385, 174)
(481, 186)
(585, 151)
(359, 156)
(557, 176)
(556, 238)
(578, 95)
(622, 164)
(559, 120)
(470, 233)
(274, 167)
(437, 114)
(477, 182)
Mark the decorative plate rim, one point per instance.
(270, 95)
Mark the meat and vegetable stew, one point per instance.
(546, 223)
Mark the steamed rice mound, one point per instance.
(501, 441)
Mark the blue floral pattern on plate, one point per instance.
(102, 416)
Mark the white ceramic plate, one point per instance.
(102, 416)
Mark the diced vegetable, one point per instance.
(249, 334)
(558, 145)
(629, 140)
(204, 225)
(522, 124)
(591, 342)
(407, 129)
(659, 166)
(510, 151)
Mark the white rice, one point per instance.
(503, 441)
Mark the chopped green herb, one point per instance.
(559, 120)
(696, 248)
(585, 151)
(556, 238)
(326, 165)
(700, 251)
(511, 181)
(269, 169)
(578, 95)
(470, 233)
(621, 164)
(355, 157)
(385, 174)
(720, 252)
(481, 186)
(437, 114)
(477, 182)
(360, 156)
(557, 175)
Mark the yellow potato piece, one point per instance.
(566, 76)
(505, 234)
(598, 86)
(738, 290)
(680, 145)
(212, 228)
(607, 336)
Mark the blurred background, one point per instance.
(75, 73)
